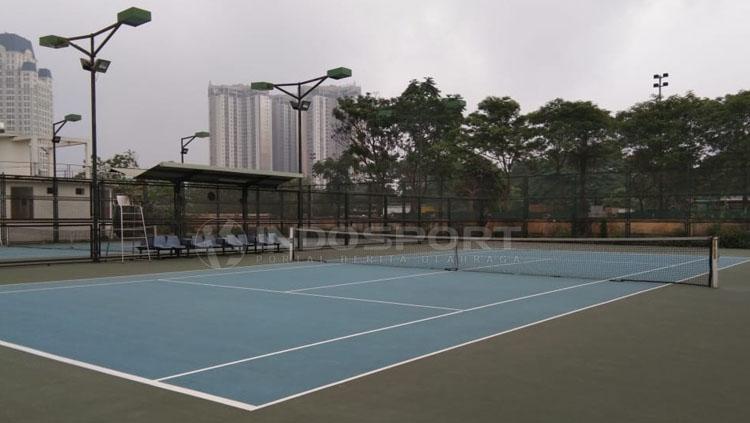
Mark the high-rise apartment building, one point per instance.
(26, 98)
(321, 140)
(240, 126)
(284, 137)
(255, 130)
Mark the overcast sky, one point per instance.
(532, 50)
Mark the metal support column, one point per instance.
(179, 209)
(244, 209)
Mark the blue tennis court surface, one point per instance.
(253, 336)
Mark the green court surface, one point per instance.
(674, 354)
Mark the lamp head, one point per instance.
(72, 118)
(134, 16)
(53, 41)
(304, 105)
(339, 73)
(100, 65)
(261, 86)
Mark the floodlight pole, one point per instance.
(56, 127)
(189, 139)
(299, 97)
(660, 84)
(300, 105)
(132, 17)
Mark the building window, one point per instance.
(80, 191)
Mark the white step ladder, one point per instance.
(132, 227)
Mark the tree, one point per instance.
(337, 172)
(730, 141)
(427, 124)
(107, 169)
(576, 134)
(497, 132)
(367, 128)
(663, 141)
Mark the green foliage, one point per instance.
(731, 236)
(603, 229)
(336, 172)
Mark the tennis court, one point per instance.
(255, 336)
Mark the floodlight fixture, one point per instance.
(261, 86)
(72, 118)
(134, 17)
(303, 105)
(339, 73)
(53, 41)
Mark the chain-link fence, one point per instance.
(37, 213)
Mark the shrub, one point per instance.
(731, 237)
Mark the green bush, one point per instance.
(731, 237)
(603, 230)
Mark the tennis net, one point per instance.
(689, 260)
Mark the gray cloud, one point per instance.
(605, 51)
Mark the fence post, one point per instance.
(525, 191)
(309, 205)
(244, 208)
(281, 209)
(449, 214)
(3, 212)
(178, 209)
(257, 210)
(218, 209)
(346, 209)
(369, 211)
(419, 211)
(689, 206)
(574, 216)
(628, 202)
(385, 211)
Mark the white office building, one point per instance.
(25, 108)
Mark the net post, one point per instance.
(714, 263)
(291, 244)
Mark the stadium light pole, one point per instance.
(660, 83)
(189, 139)
(56, 127)
(131, 17)
(300, 105)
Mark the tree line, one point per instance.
(408, 142)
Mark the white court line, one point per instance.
(179, 273)
(416, 275)
(367, 332)
(261, 270)
(271, 291)
(336, 297)
(473, 341)
(300, 347)
(128, 376)
(89, 285)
